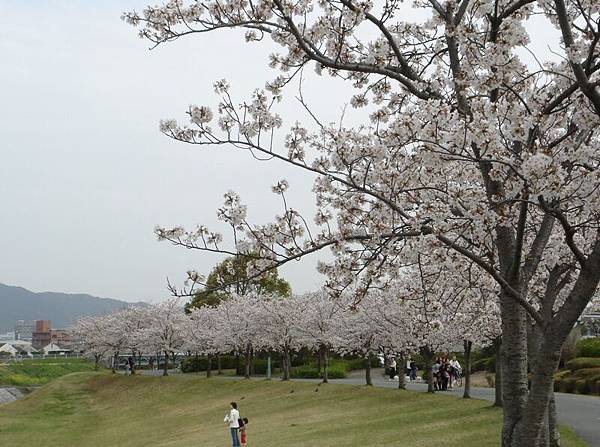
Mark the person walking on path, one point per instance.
(233, 419)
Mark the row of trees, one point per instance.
(397, 321)
(478, 146)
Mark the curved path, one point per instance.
(580, 412)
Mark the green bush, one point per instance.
(490, 364)
(567, 385)
(335, 372)
(583, 362)
(582, 386)
(305, 372)
(481, 364)
(587, 373)
(310, 372)
(588, 347)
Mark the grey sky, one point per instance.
(85, 175)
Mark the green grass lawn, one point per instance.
(100, 409)
(37, 372)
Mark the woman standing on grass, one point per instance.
(233, 418)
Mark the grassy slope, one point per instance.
(91, 410)
(39, 372)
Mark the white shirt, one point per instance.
(455, 364)
(232, 418)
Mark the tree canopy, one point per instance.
(230, 277)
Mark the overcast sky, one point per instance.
(85, 175)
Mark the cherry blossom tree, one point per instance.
(279, 328)
(163, 329)
(90, 332)
(198, 332)
(355, 332)
(474, 150)
(237, 327)
(317, 325)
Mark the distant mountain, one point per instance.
(17, 303)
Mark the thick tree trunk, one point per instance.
(252, 372)
(428, 356)
(553, 433)
(166, 364)
(238, 366)
(96, 361)
(514, 364)
(498, 373)
(368, 370)
(208, 366)
(115, 362)
(286, 364)
(533, 429)
(325, 365)
(468, 346)
(219, 368)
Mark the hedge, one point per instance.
(588, 347)
(583, 362)
(310, 372)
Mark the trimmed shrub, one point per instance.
(582, 386)
(305, 372)
(309, 372)
(567, 385)
(481, 364)
(588, 347)
(583, 362)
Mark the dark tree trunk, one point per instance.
(325, 365)
(498, 373)
(219, 368)
(115, 362)
(166, 365)
(286, 364)
(238, 366)
(514, 367)
(247, 362)
(428, 356)
(401, 373)
(208, 366)
(368, 370)
(96, 361)
(252, 373)
(468, 346)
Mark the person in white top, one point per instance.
(232, 418)
(456, 369)
(392, 368)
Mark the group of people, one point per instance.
(445, 373)
(410, 372)
(237, 426)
